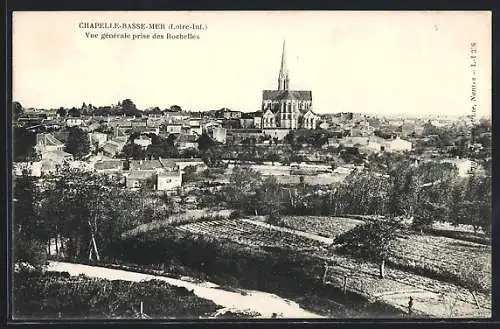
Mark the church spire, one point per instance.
(283, 79)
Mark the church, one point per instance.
(285, 108)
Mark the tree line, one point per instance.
(424, 193)
(77, 214)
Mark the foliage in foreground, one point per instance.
(57, 295)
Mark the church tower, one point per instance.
(283, 80)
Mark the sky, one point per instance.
(414, 63)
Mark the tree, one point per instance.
(241, 191)
(17, 110)
(129, 108)
(30, 231)
(205, 142)
(268, 198)
(24, 142)
(189, 174)
(161, 147)
(61, 112)
(175, 108)
(74, 112)
(134, 151)
(86, 210)
(78, 143)
(373, 240)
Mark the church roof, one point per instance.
(302, 95)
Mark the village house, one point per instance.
(195, 130)
(33, 168)
(246, 120)
(169, 180)
(398, 145)
(185, 162)
(98, 139)
(154, 122)
(158, 174)
(324, 125)
(211, 124)
(174, 128)
(47, 142)
(143, 141)
(175, 117)
(465, 166)
(376, 144)
(113, 147)
(257, 121)
(108, 166)
(74, 122)
(219, 135)
(185, 141)
(91, 127)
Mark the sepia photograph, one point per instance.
(247, 165)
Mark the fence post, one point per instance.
(345, 284)
(324, 274)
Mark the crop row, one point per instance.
(250, 234)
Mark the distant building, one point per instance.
(98, 138)
(377, 144)
(74, 122)
(46, 142)
(113, 147)
(143, 141)
(57, 156)
(108, 166)
(219, 135)
(210, 125)
(184, 142)
(398, 145)
(257, 122)
(465, 166)
(174, 128)
(168, 181)
(195, 130)
(285, 108)
(161, 174)
(33, 168)
(229, 114)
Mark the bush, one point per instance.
(31, 251)
(59, 296)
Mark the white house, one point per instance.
(98, 138)
(219, 135)
(169, 180)
(464, 166)
(174, 128)
(47, 143)
(74, 122)
(143, 141)
(398, 145)
(257, 122)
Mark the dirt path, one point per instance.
(249, 300)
